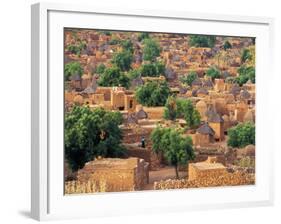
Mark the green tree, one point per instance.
(100, 68)
(176, 149)
(246, 73)
(241, 135)
(153, 93)
(151, 50)
(189, 78)
(143, 36)
(72, 68)
(182, 108)
(246, 55)
(123, 60)
(134, 73)
(77, 48)
(227, 45)
(113, 77)
(91, 133)
(186, 110)
(214, 73)
(127, 45)
(202, 41)
(170, 111)
(152, 69)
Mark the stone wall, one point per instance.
(228, 179)
(209, 173)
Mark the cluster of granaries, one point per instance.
(221, 105)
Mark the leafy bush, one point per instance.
(127, 45)
(181, 108)
(152, 69)
(72, 68)
(100, 68)
(76, 48)
(189, 78)
(153, 93)
(241, 135)
(151, 50)
(227, 45)
(113, 77)
(246, 55)
(202, 41)
(246, 73)
(214, 73)
(143, 36)
(123, 60)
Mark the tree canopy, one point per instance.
(90, 133)
(213, 72)
(246, 73)
(76, 48)
(100, 68)
(72, 68)
(202, 41)
(153, 93)
(113, 76)
(241, 135)
(182, 108)
(176, 149)
(227, 45)
(189, 78)
(152, 69)
(151, 49)
(123, 60)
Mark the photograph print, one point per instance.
(157, 111)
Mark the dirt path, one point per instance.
(163, 174)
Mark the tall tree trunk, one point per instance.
(177, 173)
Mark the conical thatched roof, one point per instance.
(235, 90)
(75, 77)
(205, 129)
(141, 114)
(202, 91)
(197, 82)
(244, 94)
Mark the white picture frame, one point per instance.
(48, 201)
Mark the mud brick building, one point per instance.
(117, 174)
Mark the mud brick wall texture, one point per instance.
(110, 175)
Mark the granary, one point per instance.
(208, 84)
(249, 86)
(204, 135)
(245, 96)
(235, 90)
(219, 85)
(86, 80)
(116, 174)
(202, 92)
(76, 82)
(216, 123)
(241, 110)
(249, 116)
(196, 83)
(141, 114)
(209, 169)
(201, 107)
